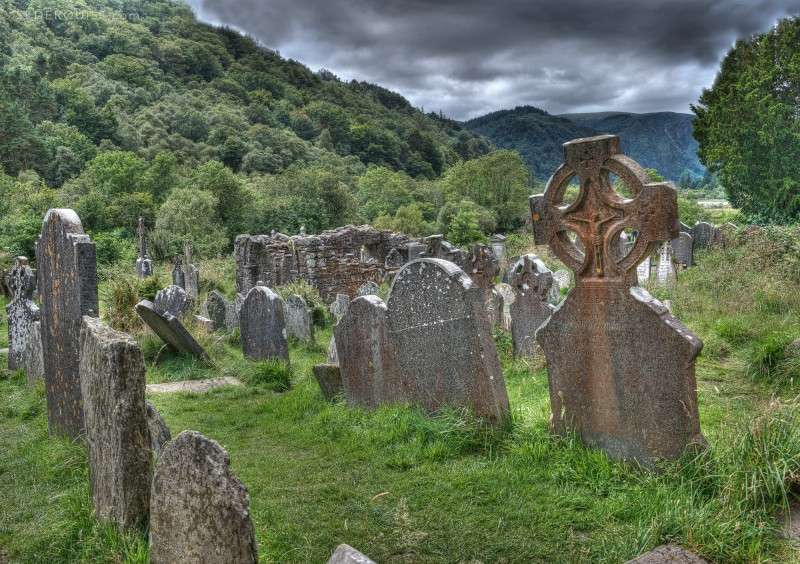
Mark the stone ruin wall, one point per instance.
(332, 261)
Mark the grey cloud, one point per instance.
(468, 57)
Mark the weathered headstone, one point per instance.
(144, 266)
(393, 260)
(170, 329)
(705, 235)
(329, 378)
(346, 554)
(22, 312)
(563, 279)
(530, 309)
(368, 288)
(191, 275)
(666, 276)
(158, 430)
(415, 250)
(178, 277)
(112, 382)
(67, 282)
(369, 370)
(621, 368)
(339, 307)
(498, 244)
(263, 326)
(643, 271)
(297, 316)
(199, 510)
(172, 300)
(506, 293)
(682, 247)
(217, 307)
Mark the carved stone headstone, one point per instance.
(339, 307)
(172, 300)
(368, 288)
(263, 326)
(199, 510)
(370, 375)
(67, 282)
(170, 329)
(178, 277)
(346, 554)
(297, 316)
(531, 284)
(217, 307)
(682, 247)
(329, 378)
(665, 275)
(621, 368)
(22, 312)
(705, 235)
(113, 382)
(144, 266)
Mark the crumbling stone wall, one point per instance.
(341, 260)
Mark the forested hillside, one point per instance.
(123, 109)
(662, 141)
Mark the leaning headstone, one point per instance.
(199, 510)
(144, 266)
(346, 554)
(158, 430)
(668, 554)
(434, 311)
(112, 384)
(217, 307)
(172, 300)
(22, 312)
(67, 282)
(665, 275)
(329, 378)
(32, 359)
(297, 316)
(682, 247)
(368, 288)
(530, 308)
(366, 359)
(170, 330)
(621, 368)
(262, 325)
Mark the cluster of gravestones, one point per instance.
(621, 367)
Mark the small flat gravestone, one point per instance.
(262, 325)
(297, 316)
(668, 554)
(199, 510)
(329, 378)
(346, 554)
(117, 434)
(172, 300)
(170, 329)
(621, 367)
(23, 313)
(531, 283)
(368, 288)
(67, 281)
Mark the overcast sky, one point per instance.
(470, 57)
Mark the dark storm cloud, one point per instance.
(467, 57)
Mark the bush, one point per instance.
(120, 296)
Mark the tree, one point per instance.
(747, 124)
(382, 191)
(465, 229)
(227, 189)
(189, 215)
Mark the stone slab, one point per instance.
(195, 386)
(171, 330)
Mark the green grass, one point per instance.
(402, 486)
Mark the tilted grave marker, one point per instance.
(170, 329)
(67, 281)
(621, 368)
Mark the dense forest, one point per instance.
(121, 109)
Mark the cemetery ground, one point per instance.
(404, 487)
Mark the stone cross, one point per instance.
(67, 281)
(190, 273)
(22, 312)
(621, 368)
(144, 266)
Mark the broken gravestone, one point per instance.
(23, 313)
(170, 330)
(172, 300)
(199, 510)
(112, 383)
(403, 351)
(67, 281)
(531, 282)
(262, 325)
(297, 316)
(621, 368)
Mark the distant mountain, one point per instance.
(661, 140)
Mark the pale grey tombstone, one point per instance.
(67, 282)
(113, 383)
(199, 510)
(263, 326)
(507, 295)
(22, 312)
(173, 300)
(297, 315)
(643, 272)
(705, 235)
(530, 309)
(666, 275)
(368, 288)
(144, 266)
(346, 554)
